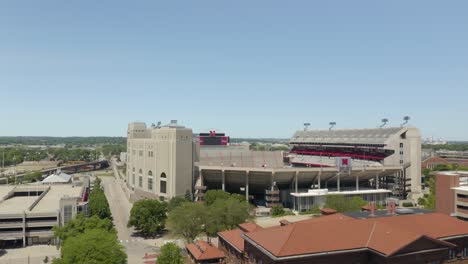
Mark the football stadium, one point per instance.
(372, 163)
(375, 164)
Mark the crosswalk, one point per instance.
(131, 241)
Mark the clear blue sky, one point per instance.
(248, 68)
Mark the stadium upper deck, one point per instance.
(393, 146)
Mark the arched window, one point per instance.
(163, 175)
(150, 173)
(140, 171)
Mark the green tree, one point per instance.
(342, 204)
(430, 202)
(277, 210)
(170, 254)
(212, 195)
(33, 176)
(187, 220)
(94, 246)
(98, 204)
(81, 224)
(188, 195)
(148, 216)
(228, 214)
(175, 202)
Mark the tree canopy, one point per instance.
(342, 204)
(187, 220)
(94, 246)
(98, 204)
(80, 224)
(212, 195)
(170, 254)
(191, 219)
(176, 202)
(33, 176)
(148, 216)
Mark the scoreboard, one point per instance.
(213, 139)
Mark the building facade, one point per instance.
(452, 193)
(160, 160)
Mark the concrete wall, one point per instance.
(158, 151)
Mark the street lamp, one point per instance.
(384, 121)
(406, 119)
(332, 124)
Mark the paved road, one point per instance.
(135, 246)
(119, 205)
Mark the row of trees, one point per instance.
(454, 147)
(91, 239)
(15, 155)
(110, 150)
(221, 211)
(75, 141)
(98, 204)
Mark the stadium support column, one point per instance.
(296, 174)
(377, 181)
(247, 185)
(338, 181)
(319, 175)
(223, 176)
(24, 229)
(357, 182)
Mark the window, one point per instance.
(67, 213)
(464, 252)
(133, 169)
(462, 207)
(150, 184)
(401, 145)
(133, 179)
(452, 254)
(161, 198)
(459, 195)
(140, 181)
(150, 173)
(141, 153)
(140, 171)
(150, 154)
(163, 187)
(163, 175)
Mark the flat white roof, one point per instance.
(17, 204)
(461, 188)
(453, 173)
(322, 192)
(4, 190)
(51, 201)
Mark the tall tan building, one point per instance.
(160, 162)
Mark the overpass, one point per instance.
(73, 168)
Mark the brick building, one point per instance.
(414, 238)
(452, 194)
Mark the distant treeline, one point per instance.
(75, 141)
(259, 140)
(459, 146)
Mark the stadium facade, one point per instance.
(160, 160)
(382, 162)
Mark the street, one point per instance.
(135, 246)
